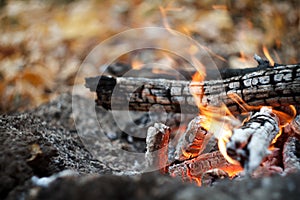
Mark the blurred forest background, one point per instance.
(43, 42)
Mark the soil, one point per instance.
(45, 143)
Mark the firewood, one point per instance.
(276, 86)
(249, 143)
(193, 141)
(157, 146)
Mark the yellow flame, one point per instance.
(222, 141)
(268, 56)
(214, 117)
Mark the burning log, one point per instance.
(272, 86)
(249, 143)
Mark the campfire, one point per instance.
(246, 124)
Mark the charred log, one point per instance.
(277, 86)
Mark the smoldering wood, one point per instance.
(195, 167)
(157, 142)
(276, 86)
(249, 143)
(193, 141)
(290, 155)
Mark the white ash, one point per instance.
(249, 143)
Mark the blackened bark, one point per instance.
(276, 86)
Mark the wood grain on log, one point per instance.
(276, 86)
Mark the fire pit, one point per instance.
(247, 123)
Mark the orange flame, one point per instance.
(136, 64)
(267, 54)
(220, 7)
(163, 11)
(232, 170)
(217, 119)
(242, 57)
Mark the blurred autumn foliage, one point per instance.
(43, 42)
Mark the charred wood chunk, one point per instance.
(157, 146)
(197, 166)
(249, 143)
(291, 155)
(192, 141)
